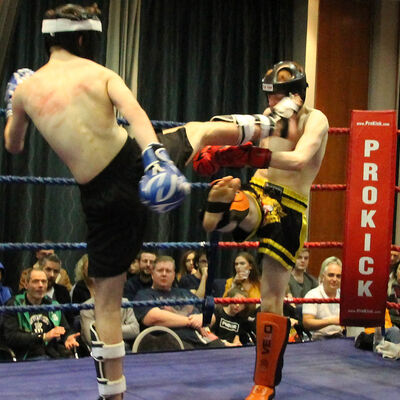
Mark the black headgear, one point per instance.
(296, 84)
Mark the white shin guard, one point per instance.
(101, 352)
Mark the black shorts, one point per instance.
(115, 216)
(283, 221)
(177, 145)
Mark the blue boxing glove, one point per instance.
(16, 78)
(162, 187)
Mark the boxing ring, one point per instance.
(329, 369)
(332, 369)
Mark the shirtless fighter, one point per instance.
(273, 206)
(71, 100)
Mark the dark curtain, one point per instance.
(34, 213)
(202, 58)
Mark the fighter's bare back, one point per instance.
(68, 100)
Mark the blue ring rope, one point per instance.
(37, 180)
(81, 245)
(76, 306)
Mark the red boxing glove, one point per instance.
(243, 155)
(210, 159)
(204, 162)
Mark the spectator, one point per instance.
(186, 264)
(51, 266)
(39, 254)
(394, 294)
(185, 321)
(83, 288)
(231, 324)
(365, 339)
(62, 278)
(301, 281)
(196, 276)
(133, 268)
(37, 334)
(143, 279)
(130, 325)
(394, 259)
(5, 291)
(246, 276)
(323, 319)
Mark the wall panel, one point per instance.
(341, 86)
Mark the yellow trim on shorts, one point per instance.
(303, 234)
(300, 206)
(275, 256)
(286, 201)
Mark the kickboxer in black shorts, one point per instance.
(273, 205)
(72, 101)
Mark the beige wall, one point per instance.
(382, 80)
(385, 67)
(384, 62)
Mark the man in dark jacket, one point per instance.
(51, 266)
(34, 334)
(185, 321)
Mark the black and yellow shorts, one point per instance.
(283, 222)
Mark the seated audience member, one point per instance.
(133, 268)
(83, 288)
(185, 321)
(62, 278)
(142, 280)
(301, 281)
(186, 265)
(130, 325)
(394, 260)
(394, 293)
(5, 291)
(51, 266)
(365, 339)
(231, 323)
(323, 319)
(39, 254)
(37, 334)
(195, 279)
(246, 276)
(297, 331)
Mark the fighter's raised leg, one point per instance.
(229, 209)
(219, 200)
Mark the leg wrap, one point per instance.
(234, 212)
(272, 335)
(100, 352)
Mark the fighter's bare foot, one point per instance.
(223, 191)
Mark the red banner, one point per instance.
(371, 174)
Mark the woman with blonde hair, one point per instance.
(83, 288)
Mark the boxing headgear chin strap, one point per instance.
(52, 26)
(100, 352)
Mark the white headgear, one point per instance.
(52, 26)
